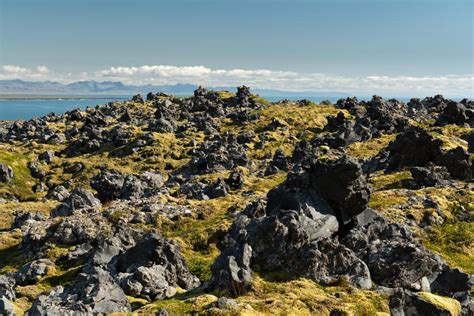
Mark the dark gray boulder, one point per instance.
(111, 185)
(6, 173)
(458, 162)
(453, 113)
(430, 176)
(82, 226)
(58, 193)
(217, 189)
(194, 190)
(138, 98)
(152, 269)
(56, 139)
(342, 184)
(7, 284)
(79, 198)
(470, 143)
(93, 292)
(25, 219)
(294, 236)
(394, 257)
(415, 147)
(35, 170)
(396, 264)
(235, 181)
(231, 271)
(456, 284)
(47, 156)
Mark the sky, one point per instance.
(392, 47)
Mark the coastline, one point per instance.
(61, 97)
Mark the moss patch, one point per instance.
(446, 303)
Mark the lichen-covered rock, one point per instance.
(7, 284)
(152, 269)
(80, 227)
(94, 292)
(111, 185)
(417, 148)
(294, 237)
(406, 303)
(32, 272)
(78, 199)
(58, 193)
(394, 257)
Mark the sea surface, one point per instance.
(25, 109)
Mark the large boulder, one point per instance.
(470, 143)
(458, 285)
(152, 269)
(394, 257)
(342, 184)
(111, 185)
(453, 113)
(417, 148)
(231, 271)
(93, 292)
(138, 98)
(294, 237)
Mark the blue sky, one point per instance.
(298, 43)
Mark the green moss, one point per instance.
(11, 258)
(370, 148)
(61, 277)
(454, 241)
(17, 158)
(382, 199)
(200, 262)
(174, 307)
(225, 94)
(396, 180)
(449, 304)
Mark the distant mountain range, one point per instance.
(20, 87)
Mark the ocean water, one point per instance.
(25, 109)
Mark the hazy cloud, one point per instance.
(12, 69)
(461, 85)
(42, 69)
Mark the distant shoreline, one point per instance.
(59, 96)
